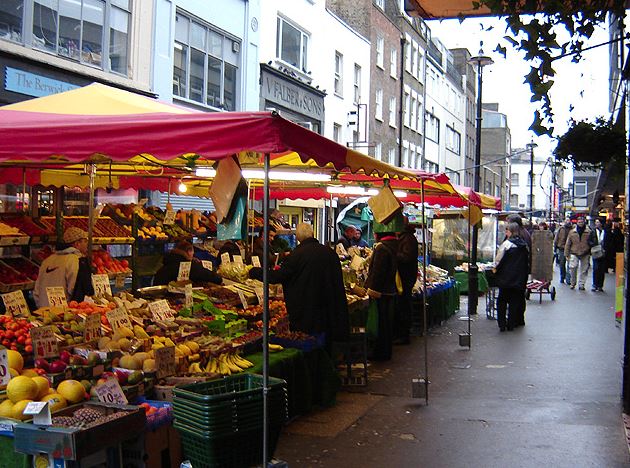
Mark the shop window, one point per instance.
(292, 45)
(205, 64)
(338, 74)
(11, 20)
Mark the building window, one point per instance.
(420, 66)
(405, 157)
(514, 180)
(391, 156)
(380, 4)
(205, 64)
(380, 47)
(378, 111)
(408, 54)
(338, 74)
(292, 45)
(406, 104)
(393, 65)
(337, 132)
(513, 200)
(392, 112)
(419, 115)
(580, 189)
(432, 127)
(378, 151)
(357, 83)
(453, 140)
(412, 113)
(414, 58)
(74, 29)
(530, 178)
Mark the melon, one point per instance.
(42, 385)
(6, 409)
(16, 361)
(29, 373)
(19, 408)
(72, 391)
(130, 362)
(56, 402)
(22, 388)
(148, 365)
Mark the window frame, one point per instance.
(338, 81)
(392, 111)
(378, 104)
(380, 51)
(393, 63)
(356, 84)
(378, 151)
(515, 179)
(580, 183)
(305, 41)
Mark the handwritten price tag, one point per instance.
(118, 318)
(92, 327)
(260, 295)
(184, 271)
(188, 295)
(15, 303)
(44, 342)
(169, 218)
(207, 264)
(161, 310)
(256, 261)
(238, 260)
(165, 361)
(110, 392)
(5, 376)
(225, 257)
(101, 285)
(241, 296)
(56, 296)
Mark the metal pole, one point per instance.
(24, 189)
(168, 194)
(425, 334)
(92, 173)
(265, 267)
(531, 184)
(401, 97)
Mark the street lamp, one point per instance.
(530, 146)
(480, 61)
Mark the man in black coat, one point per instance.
(512, 267)
(183, 252)
(407, 257)
(313, 287)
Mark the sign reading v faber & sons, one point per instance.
(276, 88)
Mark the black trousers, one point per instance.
(383, 344)
(599, 272)
(509, 303)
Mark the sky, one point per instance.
(503, 81)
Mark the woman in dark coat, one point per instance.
(381, 287)
(183, 252)
(407, 257)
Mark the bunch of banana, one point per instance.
(228, 364)
(195, 368)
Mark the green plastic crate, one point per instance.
(239, 387)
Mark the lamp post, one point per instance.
(530, 146)
(479, 61)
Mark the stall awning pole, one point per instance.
(24, 189)
(425, 333)
(92, 173)
(265, 268)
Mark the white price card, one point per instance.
(225, 257)
(207, 264)
(260, 294)
(241, 296)
(101, 285)
(165, 361)
(40, 412)
(188, 295)
(256, 261)
(92, 327)
(161, 310)
(118, 318)
(44, 342)
(110, 392)
(238, 260)
(5, 375)
(56, 296)
(184, 271)
(15, 304)
(169, 217)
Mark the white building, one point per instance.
(520, 184)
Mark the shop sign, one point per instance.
(92, 327)
(291, 96)
(23, 82)
(56, 296)
(44, 342)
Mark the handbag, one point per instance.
(597, 251)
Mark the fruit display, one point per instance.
(7, 230)
(149, 222)
(104, 227)
(27, 226)
(86, 417)
(14, 334)
(104, 263)
(152, 233)
(22, 265)
(234, 271)
(11, 280)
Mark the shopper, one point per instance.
(599, 237)
(348, 236)
(259, 244)
(559, 243)
(67, 268)
(183, 252)
(511, 271)
(578, 250)
(407, 257)
(615, 245)
(381, 287)
(358, 241)
(313, 287)
(526, 236)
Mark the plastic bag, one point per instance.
(236, 227)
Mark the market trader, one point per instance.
(183, 252)
(67, 268)
(313, 288)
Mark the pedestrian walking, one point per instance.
(511, 271)
(559, 243)
(525, 236)
(578, 250)
(599, 245)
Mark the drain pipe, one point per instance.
(403, 41)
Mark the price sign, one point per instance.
(101, 285)
(120, 281)
(161, 310)
(57, 296)
(15, 303)
(165, 361)
(256, 261)
(40, 412)
(5, 376)
(188, 295)
(260, 295)
(184, 271)
(44, 342)
(110, 392)
(357, 263)
(238, 260)
(92, 327)
(225, 257)
(241, 296)
(207, 264)
(118, 318)
(169, 218)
